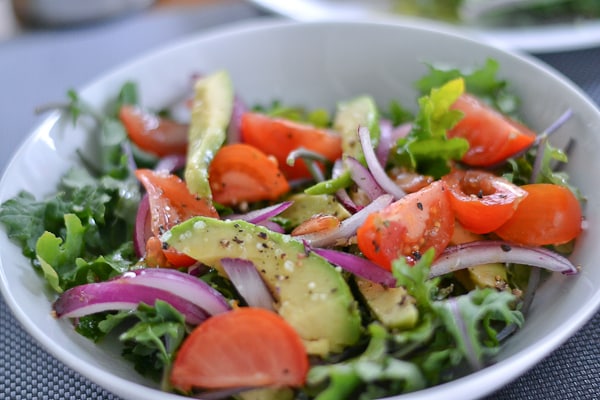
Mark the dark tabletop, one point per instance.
(67, 58)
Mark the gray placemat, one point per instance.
(29, 372)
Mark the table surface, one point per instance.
(38, 66)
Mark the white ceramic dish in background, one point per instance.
(535, 39)
(317, 64)
(71, 12)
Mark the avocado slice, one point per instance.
(492, 275)
(305, 206)
(310, 294)
(392, 306)
(211, 113)
(350, 115)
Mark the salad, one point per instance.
(269, 251)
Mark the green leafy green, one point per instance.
(57, 257)
(482, 82)
(372, 374)
(427, 148)
(397, 114)
(83, 232)
(450, 332)
(151, 335)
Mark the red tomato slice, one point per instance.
(240, 172)
(492, 136)
(408, 227)
(170, 204)
(153, 134)
(246, 347)
(482, 201)
(550, 214)
(278, 137)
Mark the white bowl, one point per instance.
(317, 64)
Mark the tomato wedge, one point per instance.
(408, 227)
(242, 173)
(245, 347)
(550, 214)
(153, 134)
(482, 201)
(170, 203)
(492, 137)
(279, 137)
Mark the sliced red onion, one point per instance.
(128, 151)
(342, 195)
(375, 167)
(363, 178)
(345, 200)
(400, 131)
(312, 161)
(385, 144)
(348, 226)
(248, 282)
(388, 137)
(272, 226)
(142, 230)
(263, 214)
(359, 266)
(233, 130)
(120, 294)
(470, 254)
(178, 283)
(470, 354)
(171, 163)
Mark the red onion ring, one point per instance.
(248, 282)
(466, 255)
(141, 229)
(171, 163)
(363, 178)
(375, 167)
(119, 294)
(194, 290)
(233, 130)
(263, 214)
(358, 266)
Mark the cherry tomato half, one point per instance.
(170, 204)
(153, 134)
(482, 201)
(408, 227)
(550, 214)
(492, 136)
(278, 137)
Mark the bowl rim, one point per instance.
(488, 377)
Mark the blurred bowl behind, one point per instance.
(72, 12)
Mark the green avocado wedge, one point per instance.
(309, 293)
(352, 114)
(211, 113)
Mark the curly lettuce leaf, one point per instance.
(450, 333)
(427, 148)
(373, 374)
(151, 335)
(483, 82)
